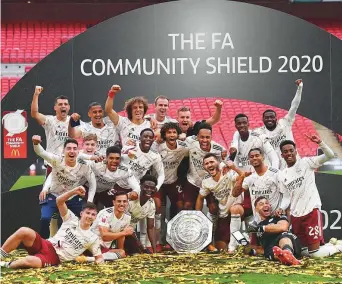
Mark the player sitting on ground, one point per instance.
(72, 239)
(104, 129)
(143, 207)
(273, 234)
(299, 179)
(220, 184)
(112, 225)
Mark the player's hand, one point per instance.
(75, 116)
(131, 142)
(115, 88)
(218, 104)
(132, 154)
(80, 190)
(279, 212)
(253, 227)
(154, 124)
(232, 150)
(38, 90)
(314, 138)
(246, 174)
(182, 136)
(36, 139)
(42, 195)
(224, 154)
(132, 195)
(298, 81)
(128, 231)
(97, 159)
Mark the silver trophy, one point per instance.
(189, 231)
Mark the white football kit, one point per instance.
(138, 212)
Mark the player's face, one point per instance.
(62, 108)
(96, 114)
(184, 118)
(241, 124)
(204, 139)
(138, 111)
(256, 159)
(211, 165)
(171, 136)
(162, 107)
(263, 207)
(88, 216)
(113, 161)
(270, 119)
(89, 147)
(71, 152)
(121, 203)
(148, 188)
(289, 152)
(146, 140)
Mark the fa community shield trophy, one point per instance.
(189, 231)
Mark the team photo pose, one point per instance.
(72, 239)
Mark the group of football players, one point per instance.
(130, 165)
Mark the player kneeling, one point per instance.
(71, 240)
(272, 232)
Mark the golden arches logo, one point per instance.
(15, 153)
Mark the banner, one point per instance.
(14, 134)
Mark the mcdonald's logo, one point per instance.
(15, 153)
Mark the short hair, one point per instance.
(89, 137)
(160, 97)
(268, 110)
(119, 193)
(204, 125)
(239, 116)
(258, 199)
(286, 142)
(209, 155)
(256, 149)
(89, 205)
(61, 98)
(148, 177)
(129, 105)
(114, 150)
(94, 104)
(183, 108)
(146, 129)
(70, 140)
(167, 126)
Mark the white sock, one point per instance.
(143, 231)
(324, 251)
(235, 225)
(158, 226)
(111, 255)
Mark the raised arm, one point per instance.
(217, 115)
(112, 114)
(290, 116)
(39, 117)
(74, 132)
(49, 157)
(238, 187)
(327, 155)
(134, 185)
(60, 201)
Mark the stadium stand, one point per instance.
(29, 42)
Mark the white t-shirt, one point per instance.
(65, 178)
(141, 164)
(299, 180)
(222, 190)
(171, 159)
(105, 179)
(160, 124)
(196, 171)
(139, 212)
(130, 131)
(56, 133)
(253, 141)
(267, 185)
(71, 241)
(106, 218)
(106, 136)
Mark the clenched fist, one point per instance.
(75, 116)
(36, 139)
(38, 90)
(298, 82)
(80, 190)
(218, 103)
(115, 88)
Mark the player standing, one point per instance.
(103, 128)
(67, 173)
(299, 180)
(220, 184)
(72, 239)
